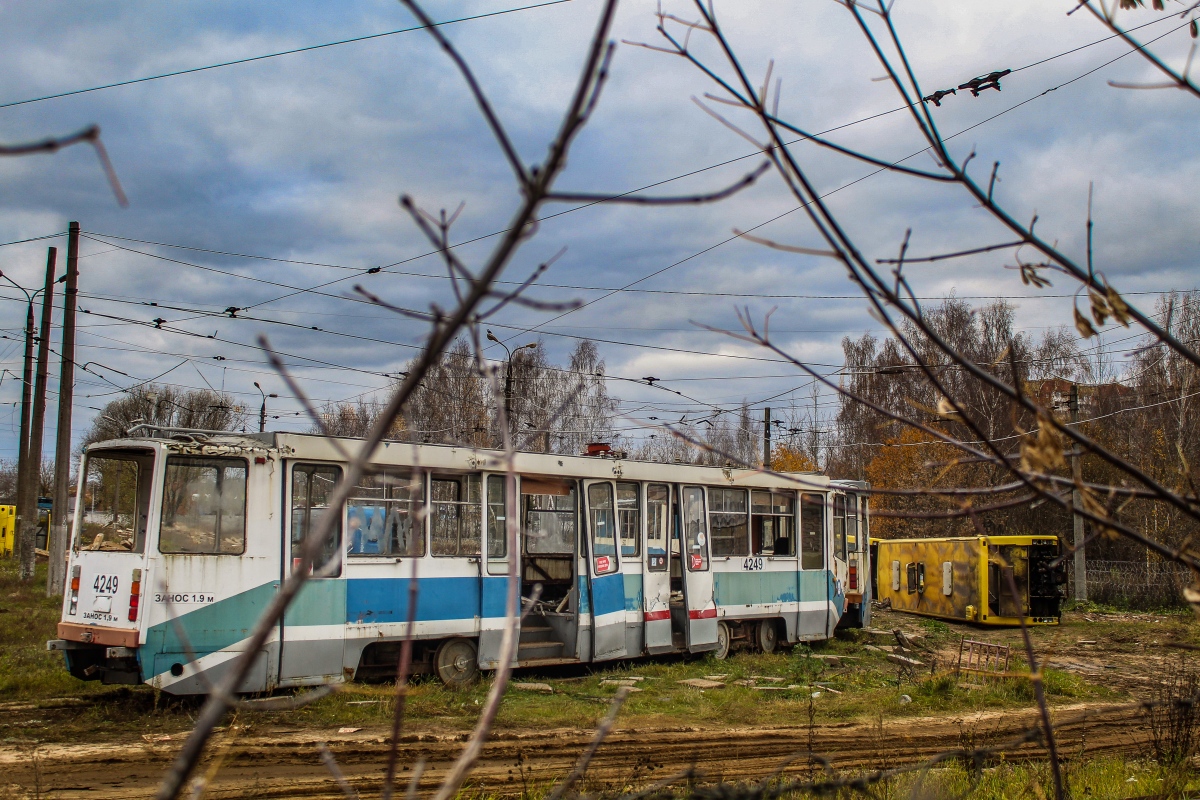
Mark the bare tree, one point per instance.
(168, 407)
(476, 299)
(973, 385)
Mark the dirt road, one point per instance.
(266, 764)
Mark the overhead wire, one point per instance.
(265, 56)
(741, 234)
(299, 289)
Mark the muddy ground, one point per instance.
(1125, 653)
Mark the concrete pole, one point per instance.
(1076, 471)
(59, 514)
(33, 477)
(767, 437)
(25, 555)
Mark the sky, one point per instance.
(301, 159)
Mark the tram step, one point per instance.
(537, 650)
(536, 635)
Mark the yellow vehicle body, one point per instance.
(8, 533)
(967, 578)
(8, 529)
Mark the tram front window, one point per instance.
(203, 506)
(117, 502)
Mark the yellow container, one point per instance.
(8, 534)
(967, 579)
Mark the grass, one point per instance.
(27, 620)
(864, 686)
(1100, 778)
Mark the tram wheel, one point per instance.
(456, 661)
(768, 635)
(723, 637)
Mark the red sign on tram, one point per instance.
(697, 561)
(602, 564)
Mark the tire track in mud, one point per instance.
(286, 764)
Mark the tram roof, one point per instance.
(466, 459)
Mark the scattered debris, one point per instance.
(816, 695)
(361, 702)
(768, 678)
(716, 677)
(832, 661)
(349, 730)
(872, 648)
(537, 687)
(626, 682)
(981, 657)
(904, 661)
(1086, 641)
(905, 699)
(702, 683)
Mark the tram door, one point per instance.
(604, 572)
(656, 579)
(840, 564)
(698, 599)
(313, 627)
(494, 568)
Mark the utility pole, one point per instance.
(26, 505)
(767, 437)
(60, 512)
(33, 478)
(1076, 503)
(25, 554)
(262, 410)
(508, 415)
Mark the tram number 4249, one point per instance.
(752, 564)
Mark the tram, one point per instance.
(180, 539)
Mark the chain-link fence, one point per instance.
(1134, 584)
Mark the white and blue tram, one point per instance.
(181, 538)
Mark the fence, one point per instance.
(1134, 584)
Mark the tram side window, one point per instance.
(658, 526)
(382, 515)
(852, 544)
(455, 515)
(772, 516)
(812, 531)
(629, 518)
(117, 497)
(549, 527)
(695, 539)
(839, 526)
(864, 527)
(728, 522)
(603, 528)
(497, 531)
(204, 506)
(312, 488)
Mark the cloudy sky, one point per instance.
(301, 158)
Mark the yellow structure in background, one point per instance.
(8, 528)
(8, 534)
(967, 579)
